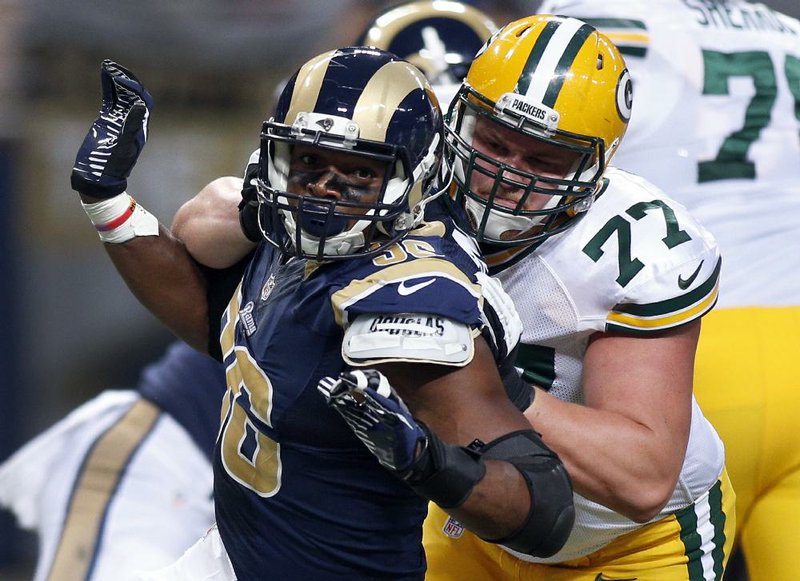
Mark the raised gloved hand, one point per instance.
(116, 138)
(377, 415)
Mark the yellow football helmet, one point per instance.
(555, 79)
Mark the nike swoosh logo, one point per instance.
(601, 577)
(404, 290)
(685, 283)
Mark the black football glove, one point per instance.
(377, 415)
(116, 138)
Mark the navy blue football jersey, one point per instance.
(188, 386)
(298, 496)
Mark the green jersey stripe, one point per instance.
(673, 305)
(622, 23)
(637, 51)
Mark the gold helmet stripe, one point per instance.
(551, 58)
(310, 78)
(376, 106)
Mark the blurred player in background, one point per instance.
(124, 481)
(715, 123)
(438, 36)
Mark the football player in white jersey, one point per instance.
(611, 278)
(715, 124)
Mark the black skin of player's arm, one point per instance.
(166, 280)
(461, 404)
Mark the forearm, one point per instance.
(498, 505)
(160, 273)
(512, 491)
(612, 459)
(524, 498)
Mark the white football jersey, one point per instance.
(716, 125)
(636, 263)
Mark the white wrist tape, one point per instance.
(120, 219)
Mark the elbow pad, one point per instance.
(552, 511)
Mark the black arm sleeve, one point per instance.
(221, 285)
(519, 391)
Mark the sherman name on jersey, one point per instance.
(636, 263)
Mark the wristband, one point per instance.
(444, 473)
(120, 219)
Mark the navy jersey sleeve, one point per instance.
(187, 385)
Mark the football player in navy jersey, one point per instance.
(351, 273)
(182, 389)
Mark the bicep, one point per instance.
(208, 224)
(647, 380)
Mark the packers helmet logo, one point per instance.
(326, 123)
(624, 96)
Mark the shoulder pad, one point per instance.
(380, 338)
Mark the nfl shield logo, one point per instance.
(267, 288)
(452, 528)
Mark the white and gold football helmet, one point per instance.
(557, 80)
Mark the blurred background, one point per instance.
(70, 326)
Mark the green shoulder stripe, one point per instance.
(653, 317)
(619, 23)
